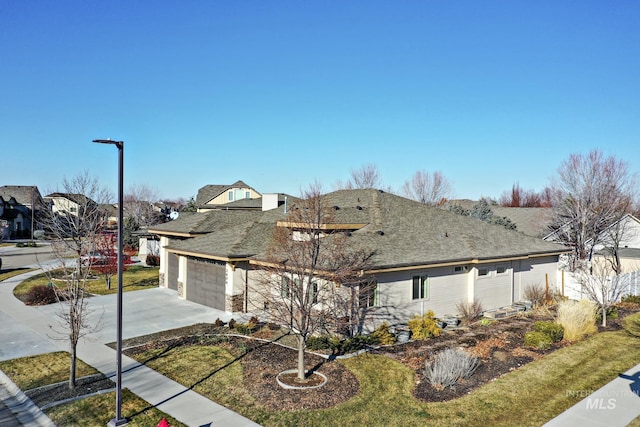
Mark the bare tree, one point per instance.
(73, 228)
(427, 188)
(521, 198)
(139, 203)
(602, 286)
(308, 262)
(592, 192)
(365, 177)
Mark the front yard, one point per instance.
(383, 388)
(136, 278)
(515, 385)
(33, 375)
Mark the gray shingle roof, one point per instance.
(534, 222)
(22, 194)
(400, 231)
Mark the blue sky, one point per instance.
(280, 94)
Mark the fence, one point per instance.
(573, 287)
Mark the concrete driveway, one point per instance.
(29, 331)
(144, 312)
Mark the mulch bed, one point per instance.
(60, 392)
(499, 346)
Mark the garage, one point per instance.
(206, 282)
(172, 272)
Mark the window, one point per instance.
(231, 196)
(501, 269)
(285, 287)
(460, 269)
(483, 271)
(420, 287)
(247, 194)
(313, 293)
(368, 294)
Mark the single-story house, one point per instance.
(425, 258)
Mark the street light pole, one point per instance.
(118, 420)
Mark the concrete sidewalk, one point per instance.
(144, 312)
(615, 404)
(16, 409)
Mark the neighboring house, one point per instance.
(624, 237)
(68, 203)
(426, 258)
(148, 244)
(20, 207)
(214, 196)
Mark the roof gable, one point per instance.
(209, 192)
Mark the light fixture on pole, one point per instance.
(118, 420)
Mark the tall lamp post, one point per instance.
(118, 420)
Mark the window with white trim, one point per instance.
(483, 271)
(420, 287)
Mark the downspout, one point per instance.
(246, 290)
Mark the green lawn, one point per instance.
(531, 395)
(36, 371)
(135, 278)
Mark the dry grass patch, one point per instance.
(99, 410)
(45, 369)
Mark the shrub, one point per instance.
(538, 340)
(424, 327)
(318, 342)
(218, 322)
(486, 321)
(535, 293)
(578, 318)
(553, 330)
(383, 335)
(273, 326)
(633, 299)
(232, 324)
(449, 366)
(152, 260)
(470, 311)
(612, 313)
(631, 324)
(245, 328)
(40, 295)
